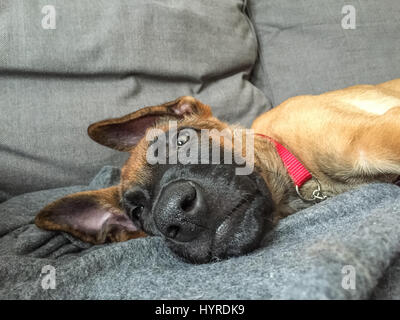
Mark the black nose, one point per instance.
(181, 210)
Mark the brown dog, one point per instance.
(345, 138)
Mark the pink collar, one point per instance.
(297, 172)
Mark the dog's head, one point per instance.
(205, 210)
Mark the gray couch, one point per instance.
(242, 58)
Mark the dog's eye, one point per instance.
(182, 138)
(136, 211)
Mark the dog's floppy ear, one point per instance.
(124, 133)
(92, 216)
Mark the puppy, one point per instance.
(305, 150)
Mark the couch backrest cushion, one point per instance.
(106, 59)
(305, 50)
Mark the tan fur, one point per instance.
(345, 137)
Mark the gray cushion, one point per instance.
(305, 50)
(106, 59)
(302, 259)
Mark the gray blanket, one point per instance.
(345, 248)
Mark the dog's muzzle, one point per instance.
(181, 211)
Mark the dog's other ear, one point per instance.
(92, 216)
(124, 133)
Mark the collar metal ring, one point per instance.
(317, 194)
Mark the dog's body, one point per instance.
(344, 138)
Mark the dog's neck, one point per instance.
(278, 180)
